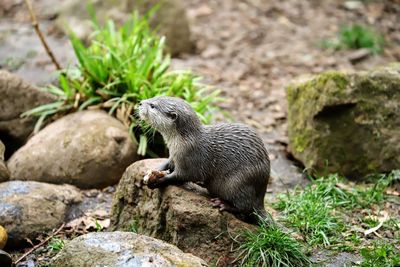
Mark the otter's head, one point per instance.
(170, 116)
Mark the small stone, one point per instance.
(211, 51)
(353, 5)
(359, 55)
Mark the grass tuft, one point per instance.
(357, 36)
(270, 246)
(385, 255)
(55, 244)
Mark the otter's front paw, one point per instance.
(152, 177)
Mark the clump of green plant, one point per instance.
(316, 210)
(121, 67)
(134, 226)
(270, 246)
(311, 210)
(55, 244)
(385, 255)
(357, 36)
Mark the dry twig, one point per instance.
(40, 244)
(35, 25)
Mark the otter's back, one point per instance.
(234, 145)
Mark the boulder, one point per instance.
(89, 149)
(29, 209)
(17, 96)
(119, 249)
(170, 19)
(4, 173)
(346, 123)
(176, 215)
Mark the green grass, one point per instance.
(55, 244)
(121, 67)
(383, 255)
(318, 211)
(134, 226)
(311, 211)
(357, 36)
(270, 246)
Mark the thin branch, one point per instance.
(40, 244)
(35, 25)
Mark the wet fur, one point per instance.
(230, 160)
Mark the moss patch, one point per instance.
(346, 123)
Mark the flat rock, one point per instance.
(17, 96)
(89, 149)
(346, 123)
(4, 172)
(176, 215)
(29, 209)
(121, 249)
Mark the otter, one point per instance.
(228, 159)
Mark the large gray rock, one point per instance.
(29, 209)
(17, 96)
(347, 123)
(170, 19)
(4, 172)
(178, 216)
(121, 249)
(89, 149)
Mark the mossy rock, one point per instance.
(346, 123)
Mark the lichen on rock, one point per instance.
(346, 123)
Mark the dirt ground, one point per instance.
(250, 49)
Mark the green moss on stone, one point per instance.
(348, 121)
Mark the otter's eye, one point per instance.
(152, 106)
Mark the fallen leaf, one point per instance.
(384, 217)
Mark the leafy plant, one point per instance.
(270, 246)
(357, 36)
(117, 70)
(55, 244)
(99, 227)
(385, 255)
(133, 226)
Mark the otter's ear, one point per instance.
(173, 115)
